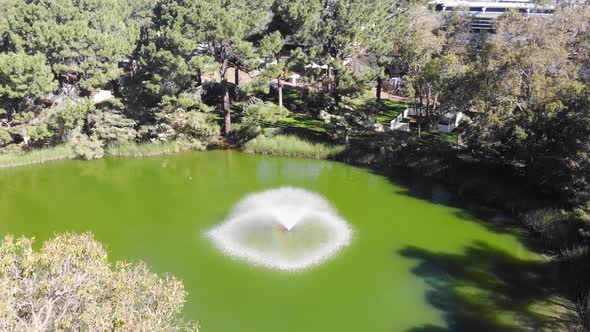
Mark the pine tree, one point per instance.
(83, 40)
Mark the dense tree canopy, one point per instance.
(24, 76)
(83, 40)
(194, 35)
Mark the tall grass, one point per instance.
(291, 146)
(551, 224)
(40, 156)
(62, 152)
(145, 149)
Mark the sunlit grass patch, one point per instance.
(39, 156)
(291, 146)
(302, 121)
(145, 149)
(389, 110)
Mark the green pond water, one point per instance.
(413, 265)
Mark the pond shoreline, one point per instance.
(368, 160)
(66, 152)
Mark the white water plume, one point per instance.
(285, 228)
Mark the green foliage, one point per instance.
(352, 116)
(38, 132)
(87, 148)
(197, 127)
(263, 112)
(110, 125)
(186, 119)
(270, 48)
(24, 76)
(414, 37)
(530, 103)
(69, 284)
(255, 115)
(195, 35)
(271, 44)
(339, 32)
(68, 119)
(244, 132)
(297, 18)
(168, 74)
(291, 146)
(5, 136)
(7, 8)
(83, 40)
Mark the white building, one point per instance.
(446, 124)
(485, 12)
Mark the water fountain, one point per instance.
(285, 228)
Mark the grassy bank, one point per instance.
(63, 152)
(40, 156)
(291, 146)
(145, 149)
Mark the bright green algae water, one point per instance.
(412, 265)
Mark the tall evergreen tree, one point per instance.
(83, 40)
(217, 31)
(271, 47)
(340, 34)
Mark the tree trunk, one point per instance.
(329, 80)
(336, 87)
(429, 106)
(225, 106)
(379, 87)
(25, 136)
(280, 90)
(236, 82)
(427, 112)
(199, 79)
(435, 102)
(116, 88)
(419, 122)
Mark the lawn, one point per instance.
(305, 126)
(390, 110)
(309, 127)
(450, 138)
(302, 121)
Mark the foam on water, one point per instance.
(285, 228)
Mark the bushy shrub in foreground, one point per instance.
(255, 114)
(87, 148)
(69, 285)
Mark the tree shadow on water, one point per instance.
(493, 218)
(487, 289)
